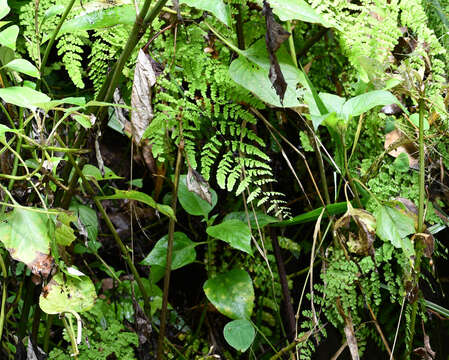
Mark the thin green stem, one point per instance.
(4, 293)
(115, 235)
(171, 231)
(418, 245)
(348, 174)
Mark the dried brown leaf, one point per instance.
(142, 110)
(197, 184)
(274, 37)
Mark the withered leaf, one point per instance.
(197, 184)
(349, 331)
(274, 37)
(361, 241)
(142, 110)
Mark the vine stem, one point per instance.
(418, 249)
(171, 231)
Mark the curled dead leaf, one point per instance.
(360, 238)
(408, 149)
(198, 185)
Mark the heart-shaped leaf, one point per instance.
(232, 293)
(235, 232)
(183, 252)
(239, 334)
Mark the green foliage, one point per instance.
(106, 336)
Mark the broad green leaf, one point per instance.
(88, 218)
(235, 232)
(23, 97)
(93, 172)
(23, 66)
(216, 7)
(100, 19)
(183, 252)
(239, 334)
(402, 163)
(414, 118)
(362, 103)
(142, 197)
(25, 234)
(251, 69)
(83, 120)
(4, 8)
(6, 55)
(193, 203)
(8, 37)
(64, 234)
(262, 219)
(232, 293)
(295, 10)
(71, 294)
(394, 226)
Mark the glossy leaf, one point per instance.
(23, 97)
(365, 102)
(239, 334)
(394, 226)
(193, 203)
(23, 66)
(70, 294)
(8, 36)
(142, 197)
(235, 232)
(251, 69)
(295, 10)
(215, 7)
(232, 293)
(183, 252)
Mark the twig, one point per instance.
(171, 230)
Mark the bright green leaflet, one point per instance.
(402, 163)
(142, 197)
(74, 294)
(23, 66)
(183, 252)
(295, 9)
(192, 203)
(232, 293)
(4, 8)
(239, 334)
(92, 171)
(23, 97)
(8, 37)
(64, 234)
(235, 232)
